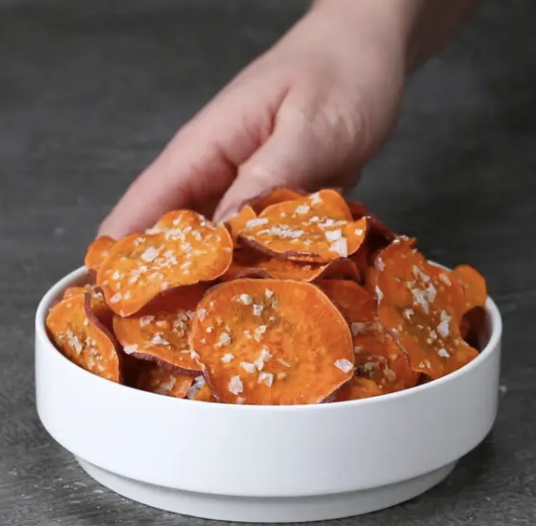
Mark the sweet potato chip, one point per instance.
(473, 284)
(272, 342)
(358, 388)
(98, 251)
(237, 223)
(377, 355)
(75, 326)
(160, 331)
(420, 311)
(274, 197)
(316, 229)
(156, 379)
(183, 248)
(74, 291)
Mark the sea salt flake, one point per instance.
(150, 254)
(199, 383)
(333, 235)
(344, 365)
(358, 327)
(389, 374)
(408, 313)
(266, 378)
(248, 367)
(257, 310)
(116, 275)
(359, 231)
(225, 339)
(235, 385)
(379, 293)
(227, 358)
(74, 342)
(116, 297)
(158, 340)
(259, 331)
(431, 293)
(167, 387)
(268, 293)
(443, 353)
(245, 299)
(252, 223)
(302, 209)
(130, 349)
(419, 274)
(340, 247)
(202, 313)
(145, 320)
(264, 356)
(315, 198)
(419, 298)
(444, 326)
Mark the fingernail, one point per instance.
(226, 214)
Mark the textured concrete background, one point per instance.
(91, 90)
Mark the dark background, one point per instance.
(91, 90)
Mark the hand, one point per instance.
(307, 114)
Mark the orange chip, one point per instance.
(160, 331)
(473, 284)
(237, 223)
(274, 197)
(357, 389)
(420, 311)
(156, 379)
(75, 326)
(316, 229)
(377, 355)
(98, 251)
(183, 248)
(272, 342)
(73, 291)
(341, 268)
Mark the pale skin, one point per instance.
(309, 113)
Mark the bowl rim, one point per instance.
(42, 337)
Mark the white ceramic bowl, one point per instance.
(265, 463)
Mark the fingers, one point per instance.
(166, 184)
(303, 152)
(199, 164)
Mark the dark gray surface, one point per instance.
(89, 93)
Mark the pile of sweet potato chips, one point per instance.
(298, 299)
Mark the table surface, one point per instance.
(91, 90)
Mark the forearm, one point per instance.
(421, 26)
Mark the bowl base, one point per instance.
(267, 510)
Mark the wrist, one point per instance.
(395, 20)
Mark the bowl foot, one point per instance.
(267, 510)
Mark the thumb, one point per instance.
(301, 153)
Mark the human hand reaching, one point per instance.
(307, 114)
